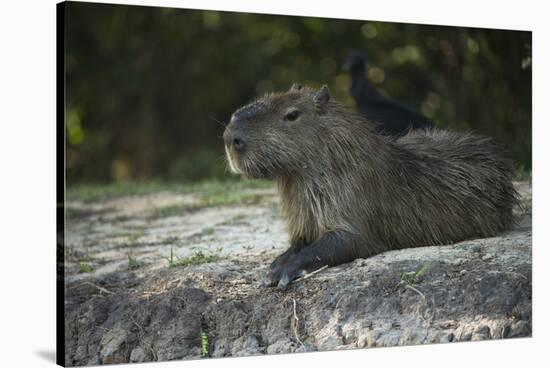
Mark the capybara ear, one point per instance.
(296, 87)
(321, 97)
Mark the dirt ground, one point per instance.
(163, 276)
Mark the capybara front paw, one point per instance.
(281, 275)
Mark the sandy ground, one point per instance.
(125, 303)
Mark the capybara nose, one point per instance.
(234, 140)
(238, 144)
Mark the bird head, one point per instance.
(355, 61)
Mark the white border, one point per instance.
(27, 82)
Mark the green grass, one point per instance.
(213, 189)
(204, 345)
(208, 231)
(168, 211)
(198, 256)
(415, 276)
(133, 262)
(169, 240)
(228, 198)
(85, 267)
(214, 195)
(95, 192)
(248, 248)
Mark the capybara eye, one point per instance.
(292, 115)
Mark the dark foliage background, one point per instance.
(149, 88)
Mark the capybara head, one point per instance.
(275, 135)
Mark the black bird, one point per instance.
(394, 117)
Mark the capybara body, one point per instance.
(348, 192)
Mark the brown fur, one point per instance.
(335, 174)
